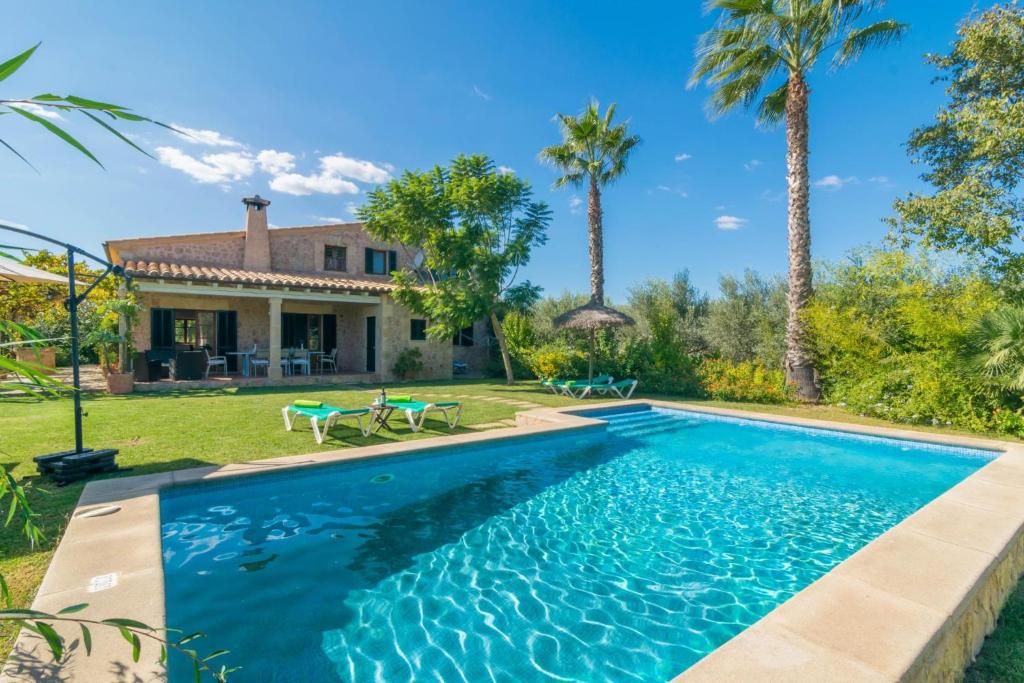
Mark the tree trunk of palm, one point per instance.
(596, 241)
(799, 368)
(506, 357)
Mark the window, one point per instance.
(195, 329)
(335, 258)
(380, 262)
(417, 329)
(463, 337)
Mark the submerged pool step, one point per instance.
(655, 425)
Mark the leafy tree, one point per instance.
(752, 43)
(593, 151)
(475, 228)
(974, 150)
(747, 322)
(672, 313)
(41, 306)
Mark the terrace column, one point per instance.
(274, 371)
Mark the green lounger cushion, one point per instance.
(418, 406)
(304, 403)
(399, 398)
(324, 410)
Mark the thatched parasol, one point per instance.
(591, 317)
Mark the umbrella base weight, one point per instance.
(68, 466)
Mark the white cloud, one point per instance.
(198, 136)
(730, 222)
(329, 219)
(481, 94)
(321, 183)
(356, 169)
(834, 182)
(351, 208)
(211, 168)
(337, 172)
(275, 163)
(683, 157)
(45, 112)
(770, 196)
(752, 164)
(672, 190)
(505, 170)
(575, 204)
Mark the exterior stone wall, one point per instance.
(476, 356)
(394, 333)
(218, 249)
(292, 250)
(301, 250)
(960, 641)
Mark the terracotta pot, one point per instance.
(120, 382)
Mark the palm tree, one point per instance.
(755, 41)
(592, 151)
(994, 348)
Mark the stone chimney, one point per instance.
(257, 240)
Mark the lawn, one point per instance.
(160, 432)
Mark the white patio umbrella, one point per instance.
(12, 271)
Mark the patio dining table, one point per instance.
(245, 356)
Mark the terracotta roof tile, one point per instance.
(177, 271)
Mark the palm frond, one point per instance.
(877, 35)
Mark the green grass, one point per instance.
(161, 432)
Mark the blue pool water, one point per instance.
(625, 553)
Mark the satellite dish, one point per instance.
(417, 260)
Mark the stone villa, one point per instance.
(315, 288)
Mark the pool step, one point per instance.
(655, 425)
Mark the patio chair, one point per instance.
(214, 362)
(256, 362)
(413, 408)
(624, 388)
(327, 415)
(331, 360)
(300, 360)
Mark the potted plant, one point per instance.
(113, 343)
(408, 363)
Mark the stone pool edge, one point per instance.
(914, 604)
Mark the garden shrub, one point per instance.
(557, 361)
(744, 381)
(888, 330)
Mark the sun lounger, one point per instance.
(624, 388)
(413, 408)
(325, 414)
(563, 386)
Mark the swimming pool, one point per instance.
(623, 553)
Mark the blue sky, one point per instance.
(325, 99)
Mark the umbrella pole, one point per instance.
(590, 371)
(75, 377)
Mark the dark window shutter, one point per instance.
(369, 260)
(392, 261)
(161, 328)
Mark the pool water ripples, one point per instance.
(622, 554)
